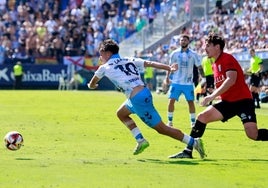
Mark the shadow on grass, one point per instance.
(172, 161)
(224, 129)
(200, 161)
(24, 159)
(229, 161)
(243, 160)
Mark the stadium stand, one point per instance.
(44, 32)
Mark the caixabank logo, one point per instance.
(4, 75)
(34, 75)
(46, 75)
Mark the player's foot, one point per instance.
(183, 154)
(170, 124)
(199, 146)
(140, 147)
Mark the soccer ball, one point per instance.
(13, 140)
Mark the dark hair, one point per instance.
(252, 50)
(215, 39)
(185, 36)
(109, 45)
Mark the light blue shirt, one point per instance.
(186, 61)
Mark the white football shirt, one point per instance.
(123, 73)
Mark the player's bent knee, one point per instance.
(251, 130)
(252, 137)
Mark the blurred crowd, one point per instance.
(244, 25)
(56, 28)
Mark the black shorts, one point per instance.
(245, 109)
(255, 80)
(210, 81)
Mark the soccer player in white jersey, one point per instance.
(123, 72)
(182, 80)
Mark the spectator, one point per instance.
(105, 9)
(218, 4)
(113, 13)
(135, 5)
(151, 16)
(57, 45)
(143, 13)
(140, 23)
(130, 15)
(121, 31)
(2, 54)
(173, 14)
(249, 25)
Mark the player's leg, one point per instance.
(188, 91)
(174, 94)
(123, 113)
(210, 114)
(254, 88)
(177, 134)
(254, 133)
(171, 108)
(142, 105)
(250, 122)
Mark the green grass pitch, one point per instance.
(73, 139)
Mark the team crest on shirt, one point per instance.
(220, 78)
(243, 116)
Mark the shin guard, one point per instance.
(198, 130)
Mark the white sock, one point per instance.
(188, 140)
(192, 117)
(137, 134)
(170, 116)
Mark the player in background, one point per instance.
(208, 72)
(181, 81)
(123, 72)
(236, 98)
(148, 77)
(255, 76)
(18, 75)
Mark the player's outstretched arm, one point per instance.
(93, 82)
(157, 65)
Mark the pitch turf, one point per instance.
(73, 139)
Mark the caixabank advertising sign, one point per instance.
(35, 76)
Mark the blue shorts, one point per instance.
(176, 90)
(142, 105)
